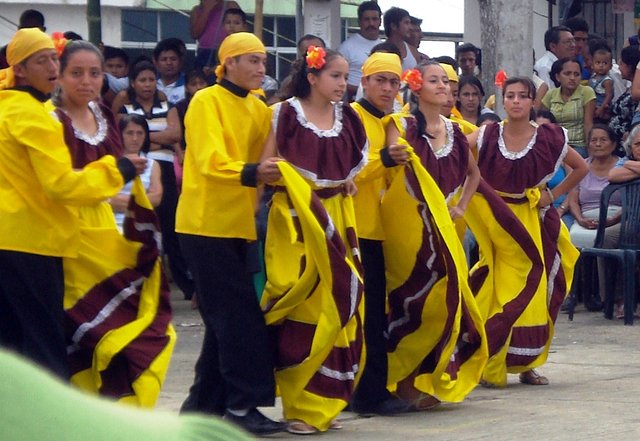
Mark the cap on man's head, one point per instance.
(24, 43)
(382, 62)
(237, 44)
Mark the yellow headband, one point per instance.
(451, 73)
(382, 62)
(24, 43)
(240, 43)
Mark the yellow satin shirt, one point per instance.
(223, 131)
(371, 181)
(39, 190)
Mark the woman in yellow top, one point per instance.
(39, 195)
(313, 298)
(436, 336)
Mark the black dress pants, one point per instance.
(31, 309)
(372, 388)
(235, 367)
(166, 211)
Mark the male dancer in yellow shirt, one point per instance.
(226, 128)
(39, 196)
(381, 82)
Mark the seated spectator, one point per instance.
(116, 61)
(571, 103)
(584, 201)
(135, 140)
(625, 106)
(559, 43)
(168, 57)
(626, 169)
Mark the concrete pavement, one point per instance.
(593, 367)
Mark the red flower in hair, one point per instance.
(59, 42)
(413, 79)
(316, 57)
(501, 77)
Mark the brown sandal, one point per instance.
(533, 378)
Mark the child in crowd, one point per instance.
(116, 61)
(601, 83)
(234, 20)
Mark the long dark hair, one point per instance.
(421, 121)
(299, 85)
(465, 80)
(525, 81)
(134, 118)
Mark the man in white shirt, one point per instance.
(168, 57)
(397, 28)
(559, 43)
(356, 49)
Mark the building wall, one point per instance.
(540, 23)
(66, 17)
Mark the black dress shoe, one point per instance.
(255, 422)
(390, 406)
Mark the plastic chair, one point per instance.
(628, 245)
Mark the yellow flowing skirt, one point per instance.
(117, 310)
(313, 300)
(524, 274)
(435, 328)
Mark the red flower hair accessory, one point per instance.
(59, 42)
(316, 57)
(413, 79)
(501, 77)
